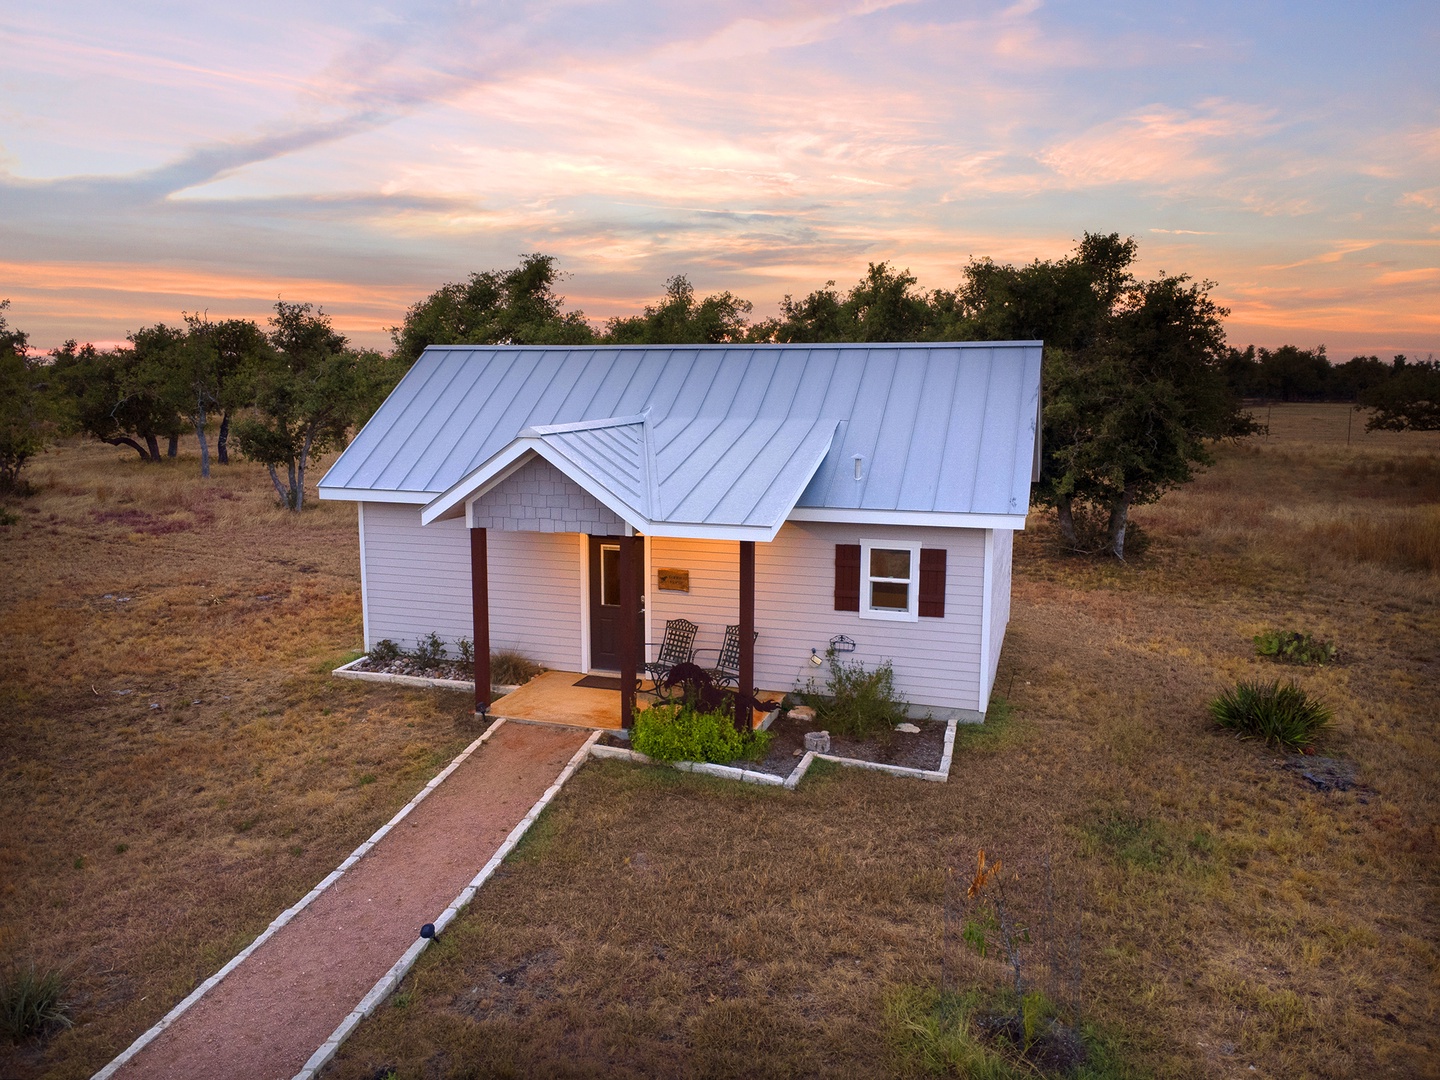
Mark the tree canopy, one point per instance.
(1408, 400)
(493, 307)
(26, 416)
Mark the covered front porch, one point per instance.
(601, 480)
(575, 699)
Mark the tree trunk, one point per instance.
(204, 444)
(222, 441)
(279, 487)
(154, 444)
(174, 446)
(304, 459)
(295, 492)
(125, 440)
(1065, 512)
(1119, 515)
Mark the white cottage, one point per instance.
(567, 502)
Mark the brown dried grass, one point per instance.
(660, 924)
(176, 765)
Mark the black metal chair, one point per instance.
(726, 671)
(678, 647)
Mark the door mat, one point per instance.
(599, 682)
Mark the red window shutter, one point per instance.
(847, 577)
(932, 583)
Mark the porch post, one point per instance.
(743, 715)
(629, 616)
(480, 609)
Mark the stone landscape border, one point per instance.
(790, 783)
(289, 913)
(391, 979)
(348, 671)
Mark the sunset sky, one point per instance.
(163, 157)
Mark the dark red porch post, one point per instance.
(629, 616)
(743, 714)
(480, 608)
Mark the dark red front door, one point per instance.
(605, 603)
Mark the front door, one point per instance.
(605, 604)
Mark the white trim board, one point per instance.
(364, 590)
(987, 605)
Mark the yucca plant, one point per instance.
(32, 1002)
(1281, 714)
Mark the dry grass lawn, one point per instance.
(659, 924)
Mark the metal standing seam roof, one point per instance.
(715, 440)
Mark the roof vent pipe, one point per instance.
(859, 474)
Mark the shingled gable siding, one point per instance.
(418, 580)
(936, 661)
(540, 498)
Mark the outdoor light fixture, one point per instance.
(815, 658)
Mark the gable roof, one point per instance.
(720, 440)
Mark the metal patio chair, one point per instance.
(678, 647)
(726, 671)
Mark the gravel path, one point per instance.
(265, 1019)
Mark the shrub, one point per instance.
(511, 668)
(429, 651)
(683, 733)
(1283, 715)
(466, 648)
(384, 652)
(1293, 647)
(32, 1002)
(856, 702)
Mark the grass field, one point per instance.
(177, 767)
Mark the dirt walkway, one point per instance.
(265, 1019)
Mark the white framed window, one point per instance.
(889, 580)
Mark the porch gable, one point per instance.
(538, 497)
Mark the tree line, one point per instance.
(1139, 382)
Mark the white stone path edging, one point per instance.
(391, 979)
(791, 782)
(347, 671)
(290, 913)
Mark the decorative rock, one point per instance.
(908, 729)
(802, 713)
(818, 741)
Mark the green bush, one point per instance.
(1293, 647)
(856, 702)
(429, 651)
(32, 1002)
(384, 652)
(1285, 715)
(683, 733)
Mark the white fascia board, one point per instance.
(933, 518)
(472, 483)
(383, 495)
(693, 531)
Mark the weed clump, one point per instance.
(1282, 715)
(509, 667)
(32, 1002)
(856, 702)
(1294, 647)
(686, 733)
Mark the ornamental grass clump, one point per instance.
(1283, 715)
(32, 1002)
(685, 733)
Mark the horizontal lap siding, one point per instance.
(417, 580)
(936, 661)
(999, 600)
